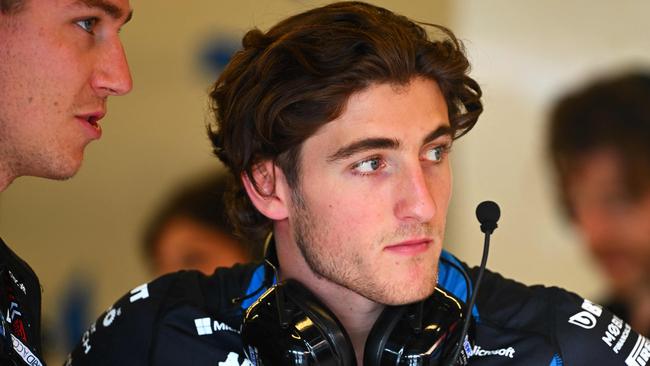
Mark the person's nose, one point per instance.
(112, 75)
(415, 200)
(595, 226)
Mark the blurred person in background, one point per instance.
(60, 60)
(192, 231)
(600, 147)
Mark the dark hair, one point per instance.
(288, 82)
(11, 6)
(201, 201)
(610, 113)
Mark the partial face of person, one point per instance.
(369, 214)
(59, 62)
(615, 226)
(187, 244)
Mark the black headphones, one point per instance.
(288, 325)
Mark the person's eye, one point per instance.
(87, 24)
(436, 153)
(368, 166)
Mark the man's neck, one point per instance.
(356, 313)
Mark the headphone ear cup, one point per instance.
(325, 322)
(380, 333)
(312, 333)
(421, 333)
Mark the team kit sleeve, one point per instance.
(152, 326)
(122, 335)
(588, 334)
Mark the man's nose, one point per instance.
(112, 75)
(415, 201)
(595, 226)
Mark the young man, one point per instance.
(600, 146)
(59, 62)
(338, 123)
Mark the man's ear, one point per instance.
(270, 195)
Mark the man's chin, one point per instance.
(407, 294)
(65, 170)
(62, 175)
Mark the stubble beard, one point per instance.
(343, 270)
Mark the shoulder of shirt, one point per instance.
(511, 304)
(135, 323)
(211, 294)
(21, 268)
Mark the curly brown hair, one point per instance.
(288, 82)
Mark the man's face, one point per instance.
(59, 62)
(185, 243)
(375, 183)
(615, 226)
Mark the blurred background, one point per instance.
(83, 237)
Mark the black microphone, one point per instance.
(487, 213)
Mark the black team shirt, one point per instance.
(20, 311)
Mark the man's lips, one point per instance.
(91, 121)
(91, 118)
(410, 247)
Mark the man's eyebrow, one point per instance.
(363, 145)
(440, 131)
(112, 10)
(383, 143)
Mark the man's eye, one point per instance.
(435, 154)
(87, 24)
(368, 166)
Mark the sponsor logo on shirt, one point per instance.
(504, 352)
(24, 352)
(110, 316)
(139, 293)
(467, 347)
(20, 285)
(588, 317)
(613, 331)
(206, 326)
(85, 339)
(640, 355)
(106, 321)
(14, 317)
(233, 360)
(13, 312)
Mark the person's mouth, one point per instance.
(91, 120)
(410, 246)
